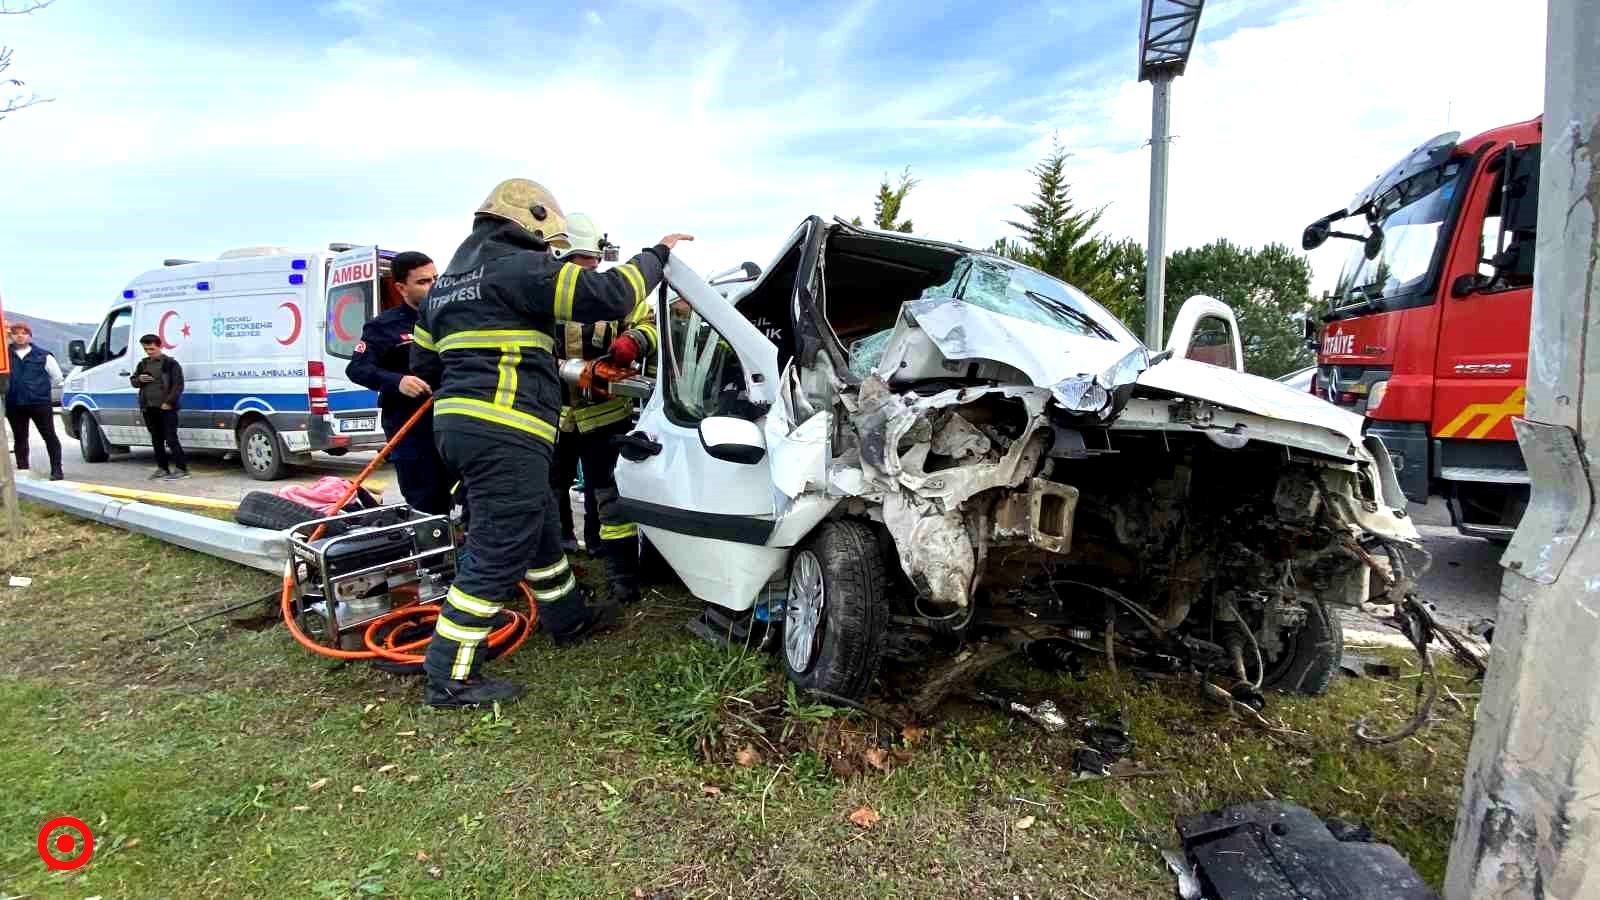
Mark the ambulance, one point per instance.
(263, 334)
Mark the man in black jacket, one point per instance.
(382, 362)
(34, 376)
(484, 342)
(159, 379)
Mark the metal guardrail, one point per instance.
(257, 548)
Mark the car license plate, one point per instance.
(358, 425)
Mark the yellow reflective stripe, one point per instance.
(553, 594)
(469, 604)
(617, 532)
(499, 415)
(463, 633)
(422, 338)
(605, 414)
(505, 392)
(641, 313)
(461, 669)
(650, 331)
(585, 413)
(566, 288)
(494, 340)
(631, 272)
(548, 572)
(571, 339)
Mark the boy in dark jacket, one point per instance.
(159, 379)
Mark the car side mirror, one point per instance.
(1315, 235)
(1309, 338)
(751, 270)
(733, 440)
(77, 354)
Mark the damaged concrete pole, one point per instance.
(1529, 823)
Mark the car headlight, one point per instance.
(1380, 389)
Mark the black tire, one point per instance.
(92, 444)
(847, 644)
(263, 509)
(337, 451)
(1312, 657)
(261, 453)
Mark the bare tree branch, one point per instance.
(28, 6)
(12, 102)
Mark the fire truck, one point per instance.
(1426, 331)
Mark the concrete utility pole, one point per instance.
(1529, 823)
(1155, 266)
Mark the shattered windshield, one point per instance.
(1413, 217)
(1015, 290)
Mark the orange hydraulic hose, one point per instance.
(516, 631)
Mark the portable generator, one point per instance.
(364, 565)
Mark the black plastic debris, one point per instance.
(1110, 737)
(1357, 666)
(1090, 762)
(1274, 850)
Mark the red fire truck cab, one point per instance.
(1426, 332)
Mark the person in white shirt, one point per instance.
(35, 375)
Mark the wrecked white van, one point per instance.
(890, 447)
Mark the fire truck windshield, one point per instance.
(1413, 217)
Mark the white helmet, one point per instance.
(582, 236)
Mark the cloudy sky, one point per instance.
(185, 129)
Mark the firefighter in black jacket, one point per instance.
(589, 426)
(382, 362)
(484, 343)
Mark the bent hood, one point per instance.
(1053, 358)
(1249, 393)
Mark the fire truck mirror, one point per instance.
(1466, 285)
(1374, 243)
(1315, 235)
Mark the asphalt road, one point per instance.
(1464, 583)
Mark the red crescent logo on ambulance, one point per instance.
(161, 329)
(295, 334)
(338, 314)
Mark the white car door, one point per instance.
(1205, 330)
(695, 474)
(101, 388)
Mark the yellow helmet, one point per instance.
(581, 236)
(530, 205)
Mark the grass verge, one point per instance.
(224, 760)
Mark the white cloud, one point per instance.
(726, 129)
(593, 18)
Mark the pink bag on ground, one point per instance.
(322, 495)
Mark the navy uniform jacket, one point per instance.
(380, 360)
(486, 336)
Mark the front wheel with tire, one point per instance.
(1311, 655)
(92, 444)
(261, 452)
(835, 614)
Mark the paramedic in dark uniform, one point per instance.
(589, 426)
(382, 362)
(484, 343)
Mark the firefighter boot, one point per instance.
(476, 691)
(597, 619)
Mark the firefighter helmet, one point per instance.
(582, 236)
(530, 205)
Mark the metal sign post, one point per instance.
(8, 474)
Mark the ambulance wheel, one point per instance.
(835, 615)
(260, 452)
(92, 443)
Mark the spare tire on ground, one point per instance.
(263, 509)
